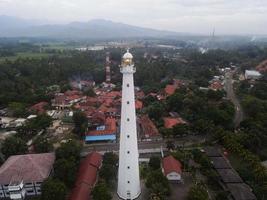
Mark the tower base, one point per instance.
(132, 198)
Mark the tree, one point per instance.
(42, 145)
(70, 149)
(81, 122)
(155, 110)
(90, 92)
(14, 146)
(40, 122)
(180, 130)
(154, 162)
(65, 170)
(110, 158)
(108, 170)
(53, 189)
(101, 192)
(198, 192)
(18, 109)
(158, 183)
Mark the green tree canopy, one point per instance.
(13, 146)
(198, 192)
(101, 192)
(53, 189)
(154, 162)
(81, 122)
(65, 170)
(70, 149)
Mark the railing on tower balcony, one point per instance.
(128, 69)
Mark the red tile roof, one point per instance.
(72, 92)
(138, 104)
(216, 85)
(87, 177)
(170, 89)
(170, 122)
(98, 117)
(110, 128)
(29, 167)
(39, 107)
(170, 164)
(81, 192)
(262, 67)
(74, 97)
(148, 126)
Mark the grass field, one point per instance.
(25, 55)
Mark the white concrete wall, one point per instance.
(173, 176)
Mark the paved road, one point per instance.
(148, 147)
(239, 114)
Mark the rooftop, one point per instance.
(86, 177)
(29, 167)
(170, 164)
(170, 122)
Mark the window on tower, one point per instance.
(128, 102)
(128, 136)
(128, 119)
(128, 85)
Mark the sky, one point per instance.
(193, 16)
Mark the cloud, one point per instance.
(178, 15)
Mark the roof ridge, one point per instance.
(36, 165)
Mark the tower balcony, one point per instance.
(129, 69)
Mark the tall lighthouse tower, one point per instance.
(128, 179)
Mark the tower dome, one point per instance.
(127, 55)
(127, 59)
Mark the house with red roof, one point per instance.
(170, 89)
(67, 99)
(216, 85)
(172, 168)
(105, 132)
(170, 122)
(39, 108)
(148, 129)
(87, 177)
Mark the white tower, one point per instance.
(128, 179)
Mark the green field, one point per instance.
(25, 55)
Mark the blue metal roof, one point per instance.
(100, 138)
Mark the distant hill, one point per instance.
(94, 29)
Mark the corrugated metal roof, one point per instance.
(100, 137)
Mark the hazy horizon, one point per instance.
(192, 16)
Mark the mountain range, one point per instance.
(93, 29)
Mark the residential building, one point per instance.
(23, 175)
(252, 75)
(170, 122)
(172, 168)
(105, 132)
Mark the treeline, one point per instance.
(26, 80)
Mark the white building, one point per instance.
(128, 176)
(22, 175)
(252, 74)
